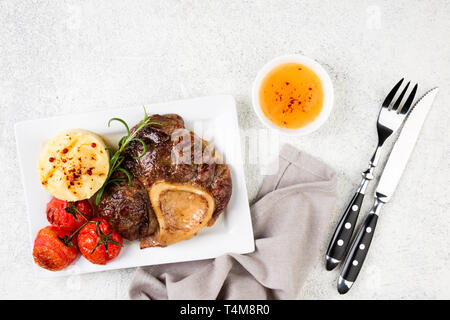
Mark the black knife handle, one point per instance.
(342, 236)
(358, 251)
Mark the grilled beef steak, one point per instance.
(178, 186)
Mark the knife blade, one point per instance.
(404, 146)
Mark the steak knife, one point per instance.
(386, 186)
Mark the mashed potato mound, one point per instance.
(74, 165)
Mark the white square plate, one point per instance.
(215, 116)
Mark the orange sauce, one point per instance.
(291, 95)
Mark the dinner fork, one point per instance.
(389, 120)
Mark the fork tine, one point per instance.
(391, 94)
(400, 97)
(409, 101)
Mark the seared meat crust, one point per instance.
(174, 155)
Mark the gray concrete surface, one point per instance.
(63, 57)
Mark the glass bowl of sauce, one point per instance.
(293, 94)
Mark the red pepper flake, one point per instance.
(299, 68)
(71, 179)
(93, 144)
(287, 83)
(89, 172)
(309, 89)
(51, 159)
(44, 182)
(65, 150)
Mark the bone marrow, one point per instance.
(181, 211)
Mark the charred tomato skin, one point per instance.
(50, 253)
(59, 217)
(90, 235)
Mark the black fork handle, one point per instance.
(343, 234)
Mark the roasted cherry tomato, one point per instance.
(98, 242)
(53, 249)
(68, 215)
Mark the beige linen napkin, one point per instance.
(290, 223)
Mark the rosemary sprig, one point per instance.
(117, 158)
